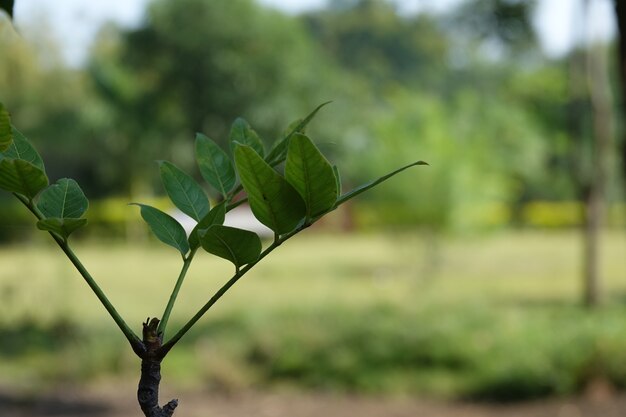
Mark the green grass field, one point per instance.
(494, 317)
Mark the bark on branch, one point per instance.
(148, 390)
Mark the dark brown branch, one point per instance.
(148, 390)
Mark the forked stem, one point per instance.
(179, 282)
(133, 339)
(238, 274)
(148, 389)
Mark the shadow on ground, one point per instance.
(253, 404)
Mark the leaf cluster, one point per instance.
(288, 187)
(60, 206)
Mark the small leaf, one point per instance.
(184, 191)
(64, 200)
(62, 227)
(311, 175)
(22, 149)
(217, 215)
(6, 136)
(279, 150)
(165, 228)
(351, 194)
(274, 202)
(236, 245)
(22, 177)
(7, 6)
(242, 133)
(215, 165)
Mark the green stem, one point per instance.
(240, 273)
(132, 338)
(174, 295)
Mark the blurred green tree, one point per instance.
(193, 66)
(51, 102)
(370, 39)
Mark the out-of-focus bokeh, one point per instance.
(497, 273)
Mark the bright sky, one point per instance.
(75, 22)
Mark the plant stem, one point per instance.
(148, 389)
(132, 338)
(174, 295)
(240, 273)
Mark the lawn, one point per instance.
(494, 317)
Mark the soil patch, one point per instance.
(106, 403)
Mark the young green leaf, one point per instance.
(274, 202)
(217, 215)
(6, 136)
(7, 6)
(236, 245)
(215, 165)
(279, 150)
(310, 173)
(351, 194)
(22, 177)
(22, 149)
(64, 200)
(242, 133)
(184, 191)
(62, 227)
(165, 228)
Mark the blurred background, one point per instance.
(496, 274)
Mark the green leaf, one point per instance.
(62, 227)
(64, 200)
(351, 194)
(338, 178)
(215, 165)
(311, 175)
(184, 191)
(22, 149)
(242, 133)
(6, 136)
(22, 177)
(217, 215)
(7, 6)
(165, 228)
(236, 245)
(279, 150)
(274, 202)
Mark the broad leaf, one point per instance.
(279, 150)
(22, 177)
(310, 173)
(338, 178)
(274, 202)
(242, 133)
(6, 136)
(215, 165)
(62, 227)
(64, 200)
(184, 191)
(236, 245)
(351, 194)
(217, 215)
(165, 228)
(22, 149)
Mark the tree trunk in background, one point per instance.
(595, 199)
(620, 14)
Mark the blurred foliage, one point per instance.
(496, 321)
(370, 39)
(467, 90)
